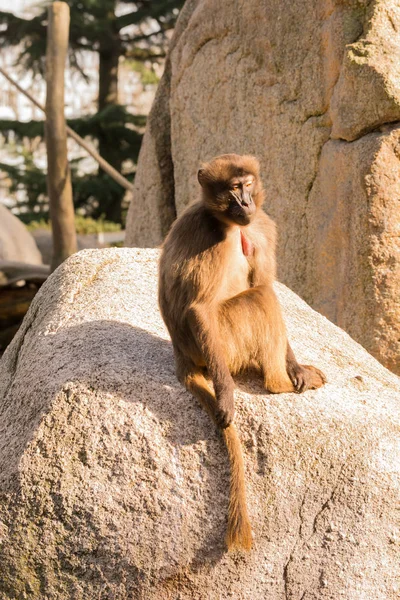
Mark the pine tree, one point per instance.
(139, 32)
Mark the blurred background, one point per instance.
(115, 59)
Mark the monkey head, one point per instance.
(231, 188)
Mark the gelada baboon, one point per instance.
(216, 296)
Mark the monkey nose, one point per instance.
(246, 200)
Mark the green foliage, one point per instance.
(37, 224)
(147, 76)
(21, 129)
(26, 176)
(29, 34)
(139, 35)
(118, 128)
(92, 192)
(84, 225)
(113, 116)
(94, 22)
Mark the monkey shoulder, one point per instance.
(195, 232)
(191, 255)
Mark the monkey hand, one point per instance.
(225, 409)
(224, 416)
(305, 377)
(225, 406)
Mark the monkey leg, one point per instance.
(303, 377)
(194, 381)
(203, 325)
(253, 330)
(239, 529)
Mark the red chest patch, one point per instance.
(247, 246)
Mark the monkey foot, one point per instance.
(306, 377)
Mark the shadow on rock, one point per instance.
(108, 361)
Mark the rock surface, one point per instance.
(282, 80)
(367, 93)
(16, 243)
(114, 484)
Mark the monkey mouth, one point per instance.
(243, 219)
(242, 214)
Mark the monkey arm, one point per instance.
(207, 338)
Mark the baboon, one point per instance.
(216, 297)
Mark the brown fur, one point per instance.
(221, 310)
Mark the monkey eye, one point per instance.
(235, 186)
(249, 183)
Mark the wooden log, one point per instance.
(58, 173)
(14, 303)
(12, 272)
(19, 283)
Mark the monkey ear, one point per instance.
(200, 176)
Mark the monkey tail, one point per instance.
(239, 529)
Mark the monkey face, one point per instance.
(241, 206)
(232, 189)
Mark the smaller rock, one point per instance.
(16, 243)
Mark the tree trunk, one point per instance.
(58, 174)
(108, 73)
(109, 53)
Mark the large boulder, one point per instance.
(114, 483)
(16, 243)
(312, 89)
